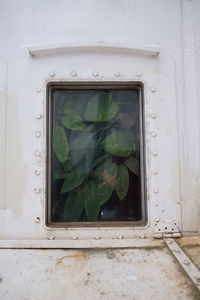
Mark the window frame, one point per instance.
(143, 171)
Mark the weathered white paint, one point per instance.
(170, 91)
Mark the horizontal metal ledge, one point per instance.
(80, 244)
(44, 50)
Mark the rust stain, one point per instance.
(107, 179)
(77, 255)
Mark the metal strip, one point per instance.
(75, 243)
(185, 262)
(43, 50)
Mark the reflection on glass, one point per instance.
(95, 155)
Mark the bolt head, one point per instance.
(155, 153)
(37, 220)
(37, 172)
(37, 153)
(74, 74)
(52, 74)
(117, 74)
(155, 172)
(95, 74)
(38, 134)
(38, 117)
(152, 89)
(154, 134)
(153, 116)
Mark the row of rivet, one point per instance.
(94, 74)
(154, 134)
(97, 237)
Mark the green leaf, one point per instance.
(122, 183)
(60, 143)
(73, 206)
(119, 143)
(133, 165)
(90, 155)
(78, 147)
(72, 120)
(91, 204)
(106, 175)
(101, 108)
(72, 180)
(100, 160)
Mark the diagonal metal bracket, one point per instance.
(185, 262)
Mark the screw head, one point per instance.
(155, 153)
(95, 74)
(120, 237)
(37, 220)
(153, 116)
(38, 117)
(117, 74)
(37, 172)
(74, 73)
(155, 171)
(154, 134)
(152, 89)
(38, 133)
(52, 74)
(37, 153)
(143, 236)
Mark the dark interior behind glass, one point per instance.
(95, 154)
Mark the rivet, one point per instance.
(52, 74)
(154, 134)
(74, 238)
(155, 153)
(152, 89)
(186, 262)
(37, 153)
(153, 116)
(117, 74)
(155, 191)
(139, 74)
(38, 90)
(38, 117)
(74, 74)
(51, 238)
(143, 236)
(37, 220)
(37, 190)
(155, 172)
(120, 237)
(156, 220)
(37, 172)
(95, 74)
(38, 133)
(97, 237)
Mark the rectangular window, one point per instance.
(95, 155)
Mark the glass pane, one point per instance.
(95, 155)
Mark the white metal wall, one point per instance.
(171, 97)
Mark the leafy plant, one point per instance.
(94, 154)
